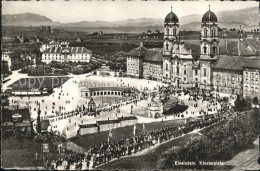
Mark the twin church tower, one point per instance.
(180, 68)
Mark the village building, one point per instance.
(65, 54)
(107, 91)
(216, 64)
(54, 44)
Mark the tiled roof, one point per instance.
(154, 55)
(229, 63)
(252, 63)
(107, 122)
(236, 63)
(127, 118)
(108, 88)
(54, 43)
(139, 51)
(236, 47)
(69, 49)
(88, 125)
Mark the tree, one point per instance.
(39, 121)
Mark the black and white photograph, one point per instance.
(130, 85)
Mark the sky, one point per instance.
(78, 10)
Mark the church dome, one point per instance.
(209, 17)
(171, 18)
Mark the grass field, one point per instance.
(38, 83)
(21, 153)
(90, 140)
(149, 160)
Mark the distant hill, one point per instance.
(26, 19)
(247, 17)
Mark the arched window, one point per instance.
(174, 32)
(177, 70)
(214, 49)
(196, 71)
(167, 31)
(205, 49)
(214, 32)
(205, 72)
(205, 32)
(167, 46)
(211, 33)
(166, 67)
(184, 72)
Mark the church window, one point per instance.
(184, 71)
(167, 31)
(205, 33)
(174, 32)
(214, 49)
(177, 70)
(167, 46)
(212, 34)
(166, 67)
(205, 49)
(185, 79)
(205, 72)
(196, 71)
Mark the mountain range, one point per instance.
(247, 18)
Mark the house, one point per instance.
(64, 54)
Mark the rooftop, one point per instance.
(103, 122)
(67, 50)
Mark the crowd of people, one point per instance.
(108, 151)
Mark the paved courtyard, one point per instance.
(67, 98)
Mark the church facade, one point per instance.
(211, 70)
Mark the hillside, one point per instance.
(247, 17)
